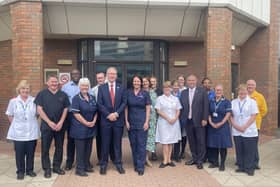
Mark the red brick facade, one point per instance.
(259, 61)
(218, 47)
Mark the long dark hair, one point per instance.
(139, 77)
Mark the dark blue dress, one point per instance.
(137, 108)
(87, 109)
(221, 137)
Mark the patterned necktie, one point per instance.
(112, 94)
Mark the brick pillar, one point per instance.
(218, 47)
(27, 43)
(259, 61)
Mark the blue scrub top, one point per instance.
(136, 105)
(211, 95)
(87, 109)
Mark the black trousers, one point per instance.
(245, 152)
(257, 157)
(47, 135)
(24, 154)
(215, 152)
(83, 153)
(179, 148)
(70, 141)
(197, 142)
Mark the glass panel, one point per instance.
(142, 70)
(84, 51)
(103, 68)
(234, 79)
(123, 50)
(162, 52)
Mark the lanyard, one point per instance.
(217, 105)
(241, 106)
(24, 107)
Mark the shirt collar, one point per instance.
(72, 83)
(20, 99)
(246, 98)
(82, 97)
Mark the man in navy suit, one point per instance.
(194, 116)
(111, 104)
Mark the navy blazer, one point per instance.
(105, 105)
(200, 106)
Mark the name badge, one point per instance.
(215, 114)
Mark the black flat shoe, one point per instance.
(59, 171)
(171, 164)
(154, 157)
(239, 170)
(20, 176)
(81, 173)
(140, 173)
(257, 167)
(48, 174)
(103, 171)
(190, 162)
(250, 173)
(213, 165)
(31, 174)
(162, 165)
(222, 167)
(68, 168)
(120, 170)
(199, 166)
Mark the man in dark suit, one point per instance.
(111, 104)
(194, 115)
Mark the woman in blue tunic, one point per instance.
(137, 116)
(219, 136)
(83, 127)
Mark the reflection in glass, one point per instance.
(142, 70)
(103, 68)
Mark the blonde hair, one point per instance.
(241, 87)
(166, 84)
(22, 84)
(84, 81)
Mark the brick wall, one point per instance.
(27, 43)
(6, 86)
(193, 53)
(218, 47)
(60, 49)
(259, 61)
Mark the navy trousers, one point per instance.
(110, 133)
(138, 141)
(83, 152)
(245, 152)
(24, 151)
(70, 141)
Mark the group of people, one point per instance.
(181, 111)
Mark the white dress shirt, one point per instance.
(24, 126)
(191, 95)
(242, 111)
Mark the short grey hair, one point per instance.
(84, 81)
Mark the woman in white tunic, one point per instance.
(24, 129)
(244, 130)
(168, 129)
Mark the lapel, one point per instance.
(117, 93)
(195, 95)
(108, 93)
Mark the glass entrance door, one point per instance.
(126, 71)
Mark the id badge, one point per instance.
(215, 114)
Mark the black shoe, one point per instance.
(213, 165)
(171, 164)
(81, 173)
(162, 165)
(91, 165)
(178, 160)
(31, 173)
(89, 170)
(20, 176)
(257, 167)
(68, 167)
(140, 173)
(48, 174)
(222, 167)
(199, 166)
(190, 162)
(103, 171)
(59, 171)
(182, 156)
(250, 173)
(154, 157)
(239, 170)
(120, 170)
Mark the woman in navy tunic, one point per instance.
(137, 115)
(83, 127)
(219, 136)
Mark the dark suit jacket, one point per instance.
(105, 105)
(200, 106)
